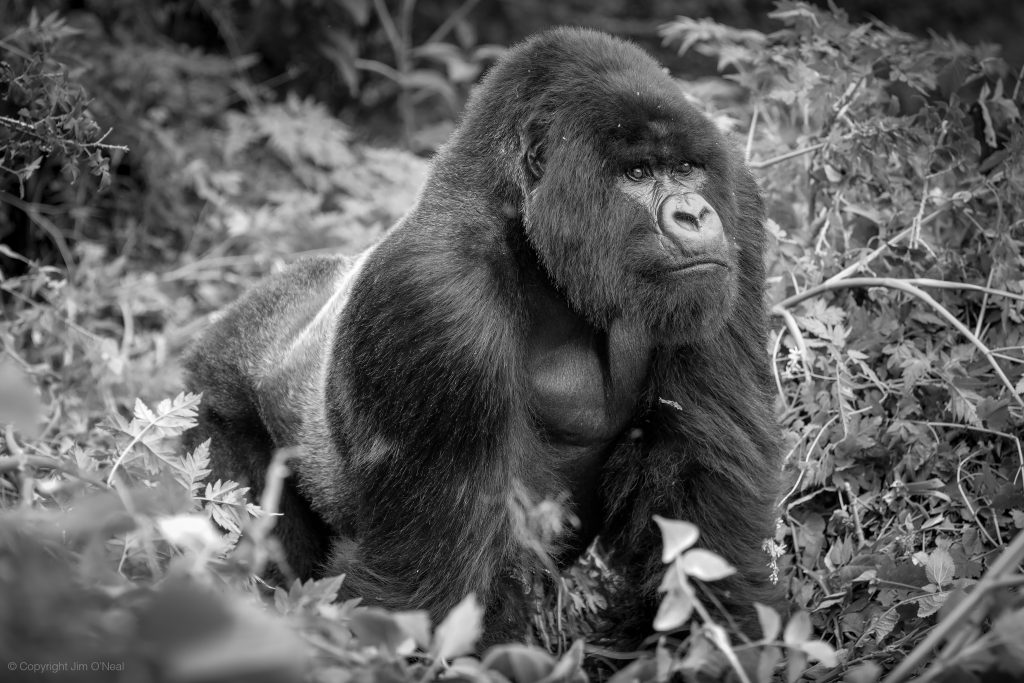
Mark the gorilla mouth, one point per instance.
(696, 266)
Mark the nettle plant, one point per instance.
(894, 172)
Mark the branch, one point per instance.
(758, 165)
(906, 286)
(453, 19)
(868, 258)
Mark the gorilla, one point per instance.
(573, 311)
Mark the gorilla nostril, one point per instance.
(686, 220)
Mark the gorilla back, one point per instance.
(573, 311)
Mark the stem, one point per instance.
(905, 286)
(758, 165)
(453, 19)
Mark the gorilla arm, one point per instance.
(426, 404)
(706, 433)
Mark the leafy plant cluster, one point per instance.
(412, 62)
(43, 111)
(899, 291)
(893, 169)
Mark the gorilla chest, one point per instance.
(584, 383)
(569, 396)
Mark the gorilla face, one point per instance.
(678, 251)
(632, 213)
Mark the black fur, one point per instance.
(523, 334)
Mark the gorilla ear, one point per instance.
(533, 152)
(534, 162)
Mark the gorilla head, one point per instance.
(627, 193)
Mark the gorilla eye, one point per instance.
(636, 173)
(686, 168)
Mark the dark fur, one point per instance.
(512, 337)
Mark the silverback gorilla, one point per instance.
(572, 311)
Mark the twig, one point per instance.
(798, 337)
(868, 258)
(400, 47)
(28, 129)
(776, 345)
(861, 541)
(915, 225)
(903, 285)
(46, 225)
(970, 508)
(453, 19)
(810, 449)
(945, 284)
(758, 165)
(993, 432)
(379, 68)
(19, 459)
(984, 302)
(750, 133)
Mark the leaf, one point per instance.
(705, 565)
(642, 669)
(414, 622)
(865, 672)
(940, 567)
(225, 517)
(798, 630)
(676, 537)
(674, 611)
(883, 625)
(143, 413)
(1009, 630)
(820, 651)
(767, 661)
(314, 592)
(795, 665)
(191, 532)
(377, 627)
(930, 604)
(359, 10)
(570, 666)
(432, 82)
(458, 633)
(194, 468)
(519, 663)
(770, 621)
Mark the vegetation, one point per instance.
(144, 183)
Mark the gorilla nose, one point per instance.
(691, 222)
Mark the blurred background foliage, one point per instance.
(154, 73)
(157, 157)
